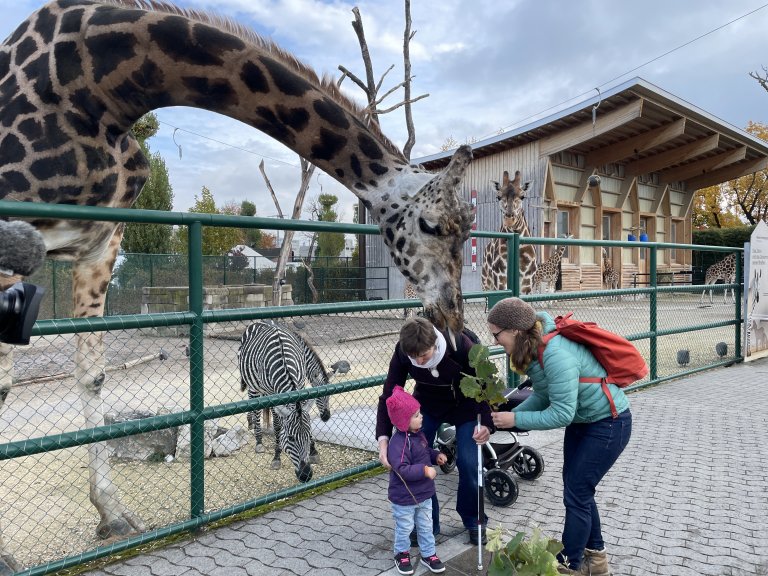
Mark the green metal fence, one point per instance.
(185, 384)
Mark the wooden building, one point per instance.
(651, 150)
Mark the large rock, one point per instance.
(153, 446)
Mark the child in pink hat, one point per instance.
(411, 482)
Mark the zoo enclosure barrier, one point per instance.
(197, 384)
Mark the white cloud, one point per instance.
(486, 65)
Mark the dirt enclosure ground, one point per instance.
(44, 509)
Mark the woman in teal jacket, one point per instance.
(593, 438)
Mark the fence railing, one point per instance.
(189, 386)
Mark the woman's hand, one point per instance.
(383, 445)
(441, 459)
(503, 419)
(481, 434)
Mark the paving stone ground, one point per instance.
(687, 497)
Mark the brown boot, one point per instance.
(563, 569)
(594, 563)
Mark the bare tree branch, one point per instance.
(407, 90)
(396, 106)
(352, 77)
(381, 80)
(762, 80)
(307, 170)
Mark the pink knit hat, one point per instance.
(401, 406)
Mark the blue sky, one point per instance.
(486, 65)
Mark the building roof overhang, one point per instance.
(641, 127)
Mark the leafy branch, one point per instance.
(485, 386)
(536, 556)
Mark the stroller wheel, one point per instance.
(450, 464)
(500, 487)
(529, 464)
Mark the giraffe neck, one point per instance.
(142, 60)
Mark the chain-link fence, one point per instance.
(333, 280)
(174, 450)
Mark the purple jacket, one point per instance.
(408, 453)
(441, 397)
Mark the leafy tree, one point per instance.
(735, 202)
(329, 244)
(157, 194)
(252, 235)
(217, 241)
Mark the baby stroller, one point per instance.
(499, 455)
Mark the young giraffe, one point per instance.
(76, 76)
(494, 273)
(724, 270)
(611, 279)
(409, 293)
(549, 271)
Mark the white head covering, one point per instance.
(437, 357)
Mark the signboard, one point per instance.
(756, 292)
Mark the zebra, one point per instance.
(273, 359)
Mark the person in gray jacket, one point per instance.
(593, 438)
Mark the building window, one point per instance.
(607, 229)
(563, 226)
(673, 234)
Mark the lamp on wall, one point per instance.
(643, 237)
(631, 237)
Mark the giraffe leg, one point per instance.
(90, 280)
(8, 565)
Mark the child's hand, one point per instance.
(430, 472)
(441, 459)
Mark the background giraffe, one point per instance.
(409, 293)
(494, 273)
(548, 271)
(611, 278)
(724, 270)
(77, 75)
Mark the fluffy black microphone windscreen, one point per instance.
(22, 249)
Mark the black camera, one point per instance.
(19, 306)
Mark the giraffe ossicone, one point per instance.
(77, 74)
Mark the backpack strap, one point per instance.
(587, 379)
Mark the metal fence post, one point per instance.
(196, 384)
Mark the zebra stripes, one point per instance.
(272, 360)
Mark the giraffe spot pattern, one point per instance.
(13, 180)
(71, 21)
(369, 147)
(45, 25)
(11, 149)
(69, 65)
(268, 123)
(108, 51)
(37, 71)
(329, 146)
(289, 84)
(331, 113)
(24, 50)
(112, 16)
(253, 78)
(207, 93)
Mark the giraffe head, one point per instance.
(509, 195)
(425, 234)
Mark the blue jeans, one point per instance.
(466, 462)
(405, 518)
(589, 451)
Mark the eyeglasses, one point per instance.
(496, 334)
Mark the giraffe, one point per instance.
(724, 270)
(494, 273)
(549, 271)
(77, 74)
(409, 293)
(611, 278)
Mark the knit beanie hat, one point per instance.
(512, 313)
(401, 406)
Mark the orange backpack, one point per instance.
(618, 356)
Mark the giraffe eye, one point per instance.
(427, 229)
